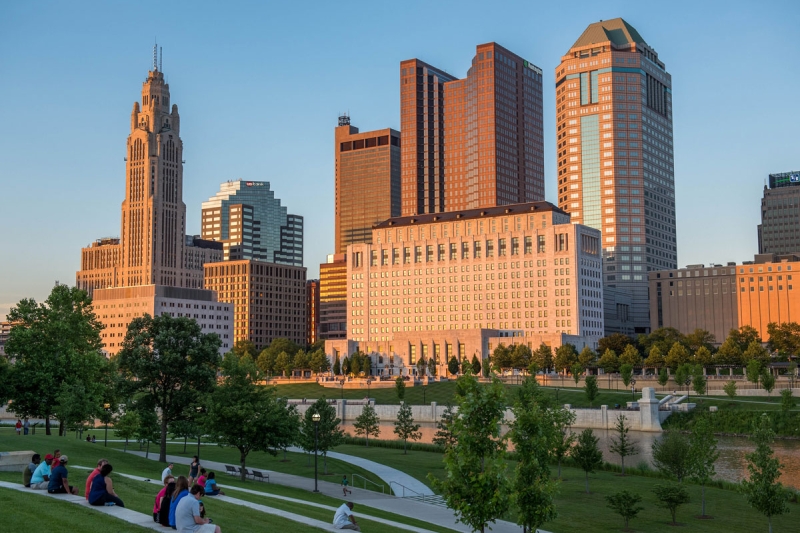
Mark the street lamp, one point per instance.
(424, 387)
(315, 417)
(633, 389)
(107, 409)
(688, 381)
(556, 393)
(369, 382)
(341, 385)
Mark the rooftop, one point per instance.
(615, 30)
(486, 212)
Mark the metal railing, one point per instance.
(405, 489)
(353, 482)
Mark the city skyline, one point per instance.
(68, 104)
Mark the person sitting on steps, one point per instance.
(344, 518)
(212, 489)
(102, 492)
(59, 484)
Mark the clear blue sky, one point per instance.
(260, 85)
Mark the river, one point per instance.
(731, 465)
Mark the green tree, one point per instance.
(242, 347)
(672, 455)
(763, 490)
(784, 338)
(329, 431)
(704, 454)
(729, 353)
(787, 400)
(671, 496)
(564, 439)
(444, 428)
(768, 381)
(663, 377)
(699, 381)
(626, 505)
(609, 362)
(543, 357)
(346, 366)
(576, 370)
(148, 429)
(591, 389)
(626, 373)
(754, 368)
(184, 429)
(404, 426)
(730, 389)
(703, 357)
(630, 356)
(755, 352)
(126, 426)
(301, 361)
(476, 365)
(476, 486)
(700, 338)
(367, 423)
(587, 454)
(452, 366)
(616, 342)
(319, 362)
(501, 358)
(586, 357)
(655, 359)
(244, 415)
(172, 361)
(678, 355)
(681, 375)
(521, 356)
(566, 356)
(400, 388)
(56, 349)
(744, 336)
(355, 364)
(791, 373)
(533, 433)
(622, 444)
(664, 338)
(337, 366)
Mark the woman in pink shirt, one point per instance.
(160, 496)
(202, 479)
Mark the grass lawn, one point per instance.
(139, 496)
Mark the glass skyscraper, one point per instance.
(252, 224)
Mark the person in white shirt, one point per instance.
(344, 519)
(167, 472)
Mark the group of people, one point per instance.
(174, 509)
(52, 475)
(21, 426)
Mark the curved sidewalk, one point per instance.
(389, 475)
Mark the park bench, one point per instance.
(260, 476)
(230, 470)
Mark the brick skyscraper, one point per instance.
(615, 159)
(472, 142)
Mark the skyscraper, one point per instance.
(615, 159)
(367, 181)
(251, 223)
(472, 142)
(152, 248)
(779, 231)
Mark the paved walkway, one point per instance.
(425, 512)
(139, 519)
(391, 476)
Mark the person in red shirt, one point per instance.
(95, 472)
(19, 426)
(56, 459)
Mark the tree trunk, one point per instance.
(147, 453)
(769, 519)
(325, 462)
(368, 439)
(404, 447)
(242, 459)
(162, 451)
(185, 438)
(587, 482)
(622, 459)
(47, 425)
(126, 445)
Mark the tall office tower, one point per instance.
(473, 142)
(152, 248)
(333, 297)
(422, 127)
(312, 311)
(252, 224)
(367, 181)
(615, 161)
(779, 231)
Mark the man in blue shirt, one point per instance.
(41, 476)
(58, 479)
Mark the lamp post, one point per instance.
(369, 382)
(107, 409)
(556, 393)
(315, 417)
(688, 382)
(341, 385)
(199, 410)
(633, 389)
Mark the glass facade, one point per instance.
(590, 175)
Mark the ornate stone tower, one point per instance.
(153, 212)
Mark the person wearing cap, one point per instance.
(94, 474)
(59, 484)
(41, 476)
(344, 518)
(27, 474)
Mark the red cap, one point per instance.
(48, 456)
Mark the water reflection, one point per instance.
(731, 465)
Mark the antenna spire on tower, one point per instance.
(155, 56)
(160, 58)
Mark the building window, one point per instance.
(528, 245)
(540, 248)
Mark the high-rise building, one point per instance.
(779, 231)
(153, 266)
(312, 311)
(615, 158)
(251, 223)
(473, 142)
(269, 299)
(367, 181)
(333, 298)
(152, 248)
